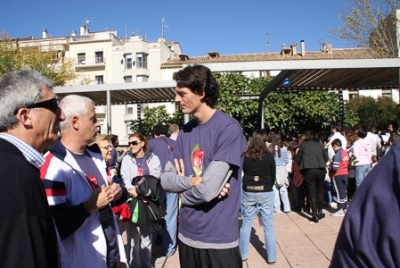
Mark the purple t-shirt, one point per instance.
(159, 147)
(219, 139)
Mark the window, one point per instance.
(141, 60)
(99, 57)
(387, 93)
(128, 79)
(352, 95)
(99, 79)
(81, 58)
(129, 110)
(128, 61)
(142, 78)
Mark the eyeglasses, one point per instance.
(51, 104)
(107, 147)
(134, 143)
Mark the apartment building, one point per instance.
(104, 58)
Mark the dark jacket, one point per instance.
(27, 232)
(312, 154)
(148, 216)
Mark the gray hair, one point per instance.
(73, 105)
(18, 89)
(173, 128)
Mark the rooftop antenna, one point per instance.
(88, 20)
(321, 44)
(267, 43)
(163, 27)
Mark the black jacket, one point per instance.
(27, 232)
(312, 154)
(148, 216)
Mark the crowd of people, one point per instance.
(70, 199)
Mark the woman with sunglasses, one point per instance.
(136, 163)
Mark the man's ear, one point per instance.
(23, 116)
(75, 122)
(202, 95)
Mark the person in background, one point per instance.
(259, 177)
(29, 118)
(173, 131)
(106, 148)
(373, 140)
(336, 131)
(281, 157)
(209, 153)
(313, 158)
(339, 168)
(138, 162)
(393, 138)
(351, 181)
(80, 196)
(362, 151)
(393, 128)
(114, 153)
(163, 147)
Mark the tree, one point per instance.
(153, 116)
(377, 113)
(371, 24)
(45, 60)
(283, 112)
(245, 111)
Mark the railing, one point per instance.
(90, 61)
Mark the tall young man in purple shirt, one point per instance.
(208, 160)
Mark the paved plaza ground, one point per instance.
(300, 242)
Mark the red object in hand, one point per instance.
(92, 181)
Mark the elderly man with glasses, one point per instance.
(29, 117)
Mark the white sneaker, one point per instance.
(333, 205)
(338, 214)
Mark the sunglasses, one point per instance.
(134, 143)
(51, 104)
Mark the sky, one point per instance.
(200, 26)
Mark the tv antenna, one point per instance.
(267, 43)
(163, 27)
(89, 20)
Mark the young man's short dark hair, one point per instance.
(160, 129)
(198, 78)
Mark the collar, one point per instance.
(33, 156)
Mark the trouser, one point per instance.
(314, 178)
(340, 184)
(215, 258)
(171, 224)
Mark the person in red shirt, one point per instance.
(339, 168)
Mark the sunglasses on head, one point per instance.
(51, 104)
(134, 142)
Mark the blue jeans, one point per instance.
(361, 173)
(252, 202)
(171, 224)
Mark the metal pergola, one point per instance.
(331, 74)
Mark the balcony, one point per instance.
(89, 62)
